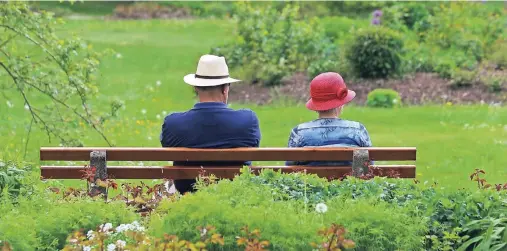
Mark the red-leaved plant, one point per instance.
(333, 239)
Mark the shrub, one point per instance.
(341, 28)
(43, 222)
(376, 52)
(279, 211)
(378, 226)
(444, 67)
(463, 78)
(272, 44)
(495, 83)
(386, 98)
(499, 55)
(413, 16)
(12, 175)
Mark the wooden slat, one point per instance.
(175, 172)
(237, 154)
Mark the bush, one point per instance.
(463, 78)
(495, 83)
(342, 28)
(272, 44)
(386, 98)
(499, 55)
(285, 221)
(376, 52)
(11, 177)
(413, 16)
(44, 222)
(379, 214)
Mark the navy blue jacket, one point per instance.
(209, 125)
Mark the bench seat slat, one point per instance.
(179, 172)
(236, 154)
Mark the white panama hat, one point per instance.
(211, 71)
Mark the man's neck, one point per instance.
(211, 99)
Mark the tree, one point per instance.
(59, 71)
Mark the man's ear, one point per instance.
(226, 89)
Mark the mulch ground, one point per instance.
(417, 89)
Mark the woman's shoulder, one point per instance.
(328, 123)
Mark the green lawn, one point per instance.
(451, 141)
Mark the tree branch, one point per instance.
(73, 110)
(28, 137)
(8, 40)
(19, 88)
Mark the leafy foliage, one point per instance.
(282, 206)
(39, 63)
(273, 44)
(376, 52)
(44, 221)
(386, 98)
(12, 175)
(133, 237)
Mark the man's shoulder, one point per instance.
(175, 117)
(244, 112)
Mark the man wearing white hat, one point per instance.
(210, 123)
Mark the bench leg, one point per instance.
(99, 161)
(360, 162)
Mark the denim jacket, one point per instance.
(328, 132)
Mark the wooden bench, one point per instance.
(98, 158)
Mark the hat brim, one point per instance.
(192, 80)
(330, 104)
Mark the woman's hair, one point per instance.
(331, 110)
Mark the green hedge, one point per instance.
(43, 222)
(379, 214)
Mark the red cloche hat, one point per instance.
(328, 91)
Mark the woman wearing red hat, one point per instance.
(328, 94)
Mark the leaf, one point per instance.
(469, 242)
(101, 183)
(241, 241)
(139, 200)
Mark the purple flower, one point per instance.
(375, 21)
(377, 13)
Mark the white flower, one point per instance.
(321, 208)
(87, 248)
(149, 138)
(143, 111)
(121, 228)
(164, 112)
(395, 101)
(106, 227)
(111, 247)
(158, 116)
(90, 235)
(9, 104)
(27, 107)
(158, 83)
(121, 243)
(118, 55)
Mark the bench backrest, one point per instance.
(359, 156)
(236, 154)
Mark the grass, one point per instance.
(151, 51)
